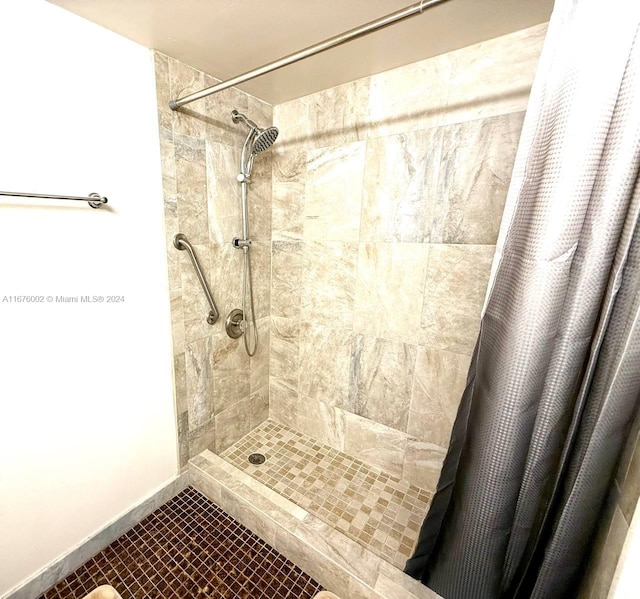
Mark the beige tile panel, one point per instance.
(375, 443)
(284, 355)
(328, 282)
(293, 120)
(286, 276)
(169, 188)
(457, 278)
(223, 192)
(199, 375)
(477, 160)
(381, 380)
(180, 382)
(325, 354)
(321, 421)
(225, 279)
(259, 363)
(493, 77)
(400, 186)
(230, 381)
(284, 401)
(439, 381)
(288, 193)
(191, 188)
(409, 98)
(260, 256)
(172, 227)
(333, 192)
(389, 289)
(163, 91)
(216, 112)
(422, 463)
(259, 197)
(336, 115)
(232, 424)
(259, 406)
(184, 80)
(177, 321)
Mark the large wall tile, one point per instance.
(477, 160)
(400, 186)
(374, 443)
(223, 192)
(494, 77)
(289, 181)
(409, 98)
(232, 424)
(292, 119)
(322, 421)
(217, 112)
(260, 256)
(422, 464)
(328, 282)
(169, 188)
(163, 90)
(283, 402)
(284, 362)
(286, 277)
(225, 279)
(337, 114)
(172, 227)
(438, 384)
(199, 381)
(259, 197)
(259, 363)
(457, 277)
(177, 321)
(324, 364)
(191, 188)
(381, 380)
(231, 381)
(184, 80)
(389, 289)
(333, 193)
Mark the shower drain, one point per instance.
(257, 458)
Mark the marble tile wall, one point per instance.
(220, 393)
(387, 197)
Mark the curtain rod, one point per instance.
(327, 44)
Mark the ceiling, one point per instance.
(228, 37)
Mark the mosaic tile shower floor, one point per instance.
(189, 548)
(380, 512)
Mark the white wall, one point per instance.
(86, 406)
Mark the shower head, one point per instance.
(265, 138)
(262, 138)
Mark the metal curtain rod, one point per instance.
(327, 44)
(95, 199)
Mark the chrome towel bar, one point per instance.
(182, 243)
(95, 199)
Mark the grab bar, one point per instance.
(182, 243)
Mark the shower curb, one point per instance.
(337, 562)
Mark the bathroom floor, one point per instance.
(189, 548)
(380, 512)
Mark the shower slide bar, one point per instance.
(332, 42)
(95, 199)
(182, 243)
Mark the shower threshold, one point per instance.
(349, 525)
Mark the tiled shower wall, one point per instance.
(387, 197)
(220, 393)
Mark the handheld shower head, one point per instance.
(262, 138)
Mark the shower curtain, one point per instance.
(554, 381)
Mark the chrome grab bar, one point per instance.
(95, 199)
(182, 243)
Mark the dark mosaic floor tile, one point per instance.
(189, 549)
